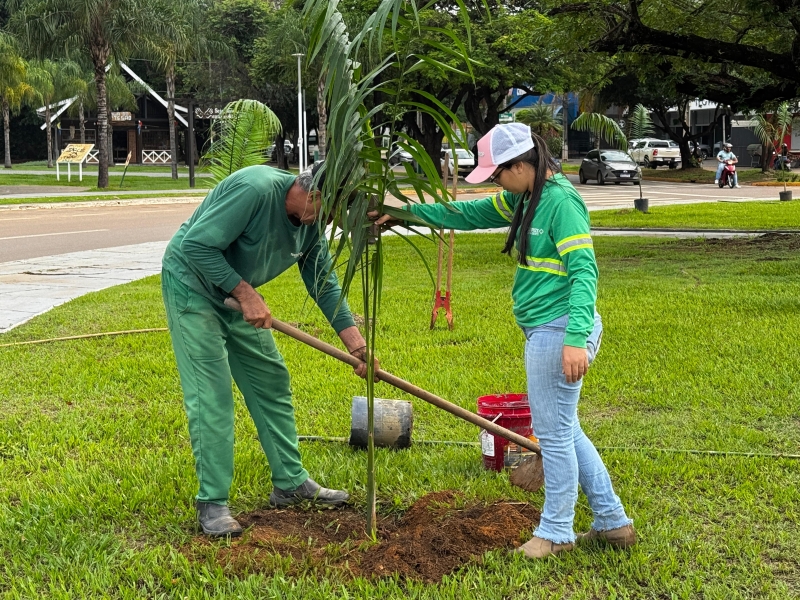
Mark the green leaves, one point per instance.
(602, 126)
(240, 136)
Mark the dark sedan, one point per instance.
(609, 165)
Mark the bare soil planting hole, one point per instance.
(439, 534)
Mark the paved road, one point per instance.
(46, 232)
(64, 228)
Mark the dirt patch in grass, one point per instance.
(438, 535)
(742, 245)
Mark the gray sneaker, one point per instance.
(216, 520)
(311, 491)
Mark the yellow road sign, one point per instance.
(75, 153)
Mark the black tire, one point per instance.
(581, 177)
(617, 182)
(730, 181)
(673, 165)
(646, 162)
(600, 179)
(721, 184)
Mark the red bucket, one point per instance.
(511, 411)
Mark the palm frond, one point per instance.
(603, 127)
(240, 137)
(640, 125)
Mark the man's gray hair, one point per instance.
(306, 180)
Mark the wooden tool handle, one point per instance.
(400, 384)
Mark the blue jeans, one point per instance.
(721, 166)
(568, 457)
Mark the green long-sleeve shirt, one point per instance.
(561, 276)
(241, 231)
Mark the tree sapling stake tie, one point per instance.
(442, 301)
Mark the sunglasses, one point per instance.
(496, 174)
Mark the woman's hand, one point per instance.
(575, 363)
(380, 219)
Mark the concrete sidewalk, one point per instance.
(31, 287)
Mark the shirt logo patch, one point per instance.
(535, 231)
(298, 255)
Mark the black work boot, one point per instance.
(310, 490)
(216, 520)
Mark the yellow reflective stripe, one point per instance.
(573, 237)
(543, 269)
(501, 206)
(574, 242)
(546, 265)
(578, 247)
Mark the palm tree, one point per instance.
(771, 130)
(541, 119)
(181, 38)
(14, 88)
(375, 69)
(53, 81)
(101, 28)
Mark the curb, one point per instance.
(78, 203)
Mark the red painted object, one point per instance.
(511, 411)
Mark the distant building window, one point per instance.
(155, 140)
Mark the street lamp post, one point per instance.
(300, 133)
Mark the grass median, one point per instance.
(712, 215)
(96, 476)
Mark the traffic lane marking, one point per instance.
(18, 237)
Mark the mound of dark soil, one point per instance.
(439, 534)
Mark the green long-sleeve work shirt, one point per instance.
(241, 231)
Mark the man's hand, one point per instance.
(575, 363)
(255, 310)
(357, 346)
(380, 219)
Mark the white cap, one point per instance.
(502, 144)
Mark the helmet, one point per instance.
(727, 145)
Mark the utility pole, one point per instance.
(300, 120)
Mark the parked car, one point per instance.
(609, 165)
(703, 149)
(652, 153)
(466, 160)
(398, 155)
(273, 155)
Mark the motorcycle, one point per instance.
(728, 172)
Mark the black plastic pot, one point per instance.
(641, 204)
(787, 195)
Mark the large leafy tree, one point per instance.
(100, 28)
(752, 47)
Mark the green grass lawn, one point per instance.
(711, 215)
(96, 476)
(131, 182)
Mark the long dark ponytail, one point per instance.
(541, 160)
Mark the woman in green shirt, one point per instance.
(554, 292)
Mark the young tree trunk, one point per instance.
(173, 142)
(280, 156)
(49, 136)
(82, 121)
(322, 112)
(99, 58)
(6, 132)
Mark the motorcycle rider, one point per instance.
(782, 159)
(724, 155)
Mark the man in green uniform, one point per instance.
(253, 226)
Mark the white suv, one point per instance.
(652, 153)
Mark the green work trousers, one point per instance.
(212, 344)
